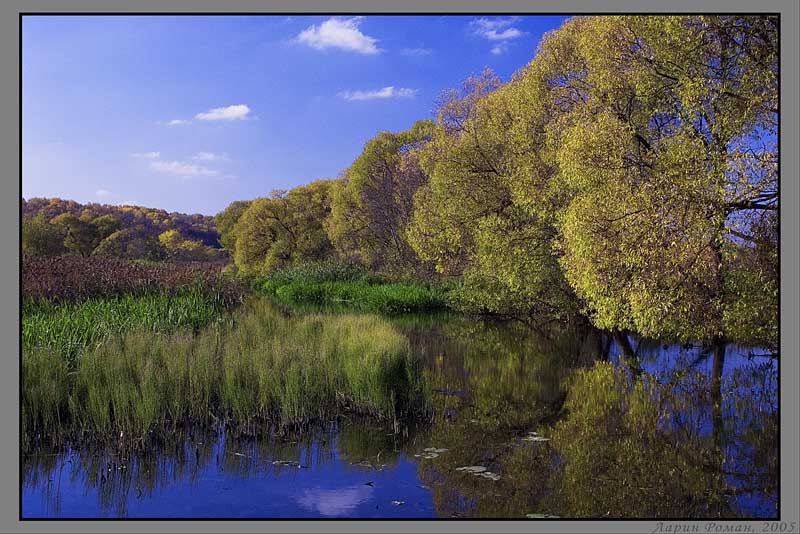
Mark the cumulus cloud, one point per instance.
(229, 113)
(499, 31)
(177, 122)
(180, 168)
(386, 92)
(102, 193)
(339, 33)
(146, 155)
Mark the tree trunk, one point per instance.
(716, 393)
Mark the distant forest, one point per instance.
(53, 226)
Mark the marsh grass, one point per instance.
(350, 286)
(69, 327)
(257, 369)
(388, 298)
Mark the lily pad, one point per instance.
(472, 469)
(534, 437)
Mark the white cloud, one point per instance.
(128, 203)
(102, 193)
(229, 113)
(484, 24)
(339, 33)
(497, 30)
(510, 33)
(179, 168)
(416, 51)
(210, 156)
(177, 122)
(146, 155)
(386, 92)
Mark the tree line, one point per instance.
(52, 226)
(629, 172)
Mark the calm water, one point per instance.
(493, 384)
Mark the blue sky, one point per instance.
(191, 113)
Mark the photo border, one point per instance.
(10, 467)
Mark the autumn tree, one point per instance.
(283, 228)
(226, 220)
(79, 235)
(487, 213)
(177, 248)
(130, 243)
(670, 161)
(40, 238)
(372, 203)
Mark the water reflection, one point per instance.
(525, 424)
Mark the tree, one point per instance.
(129, 243)
(487, 213)
(670, 158)
(79, 235)
(226, 220)
(40, 238)
(372, 203)
(283, 228)
(177, 248)
(104, 226)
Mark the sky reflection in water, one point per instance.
(494, 383)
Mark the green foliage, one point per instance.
(258, 367)
(129, 243)
(385, 298)
(371, 204)
(226, 220)
(129, 232)
(179, 249)
(618, 168)
(68, 329)
(668, 163)
(40, 238)
(487, 213)
(284, 228)
(322, 271)
(79, 235)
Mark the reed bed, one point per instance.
(257, 369)
(69, 328)
(384, 298)
(75, 279)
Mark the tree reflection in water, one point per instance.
(641, 431)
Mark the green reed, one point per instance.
(258, 367)
(69, 327)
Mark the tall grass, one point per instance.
(334, 283)
(74, 279)
(68, 328)
(259, 368)
(385, 298)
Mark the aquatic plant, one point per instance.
(258, 368)
(68, 328)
